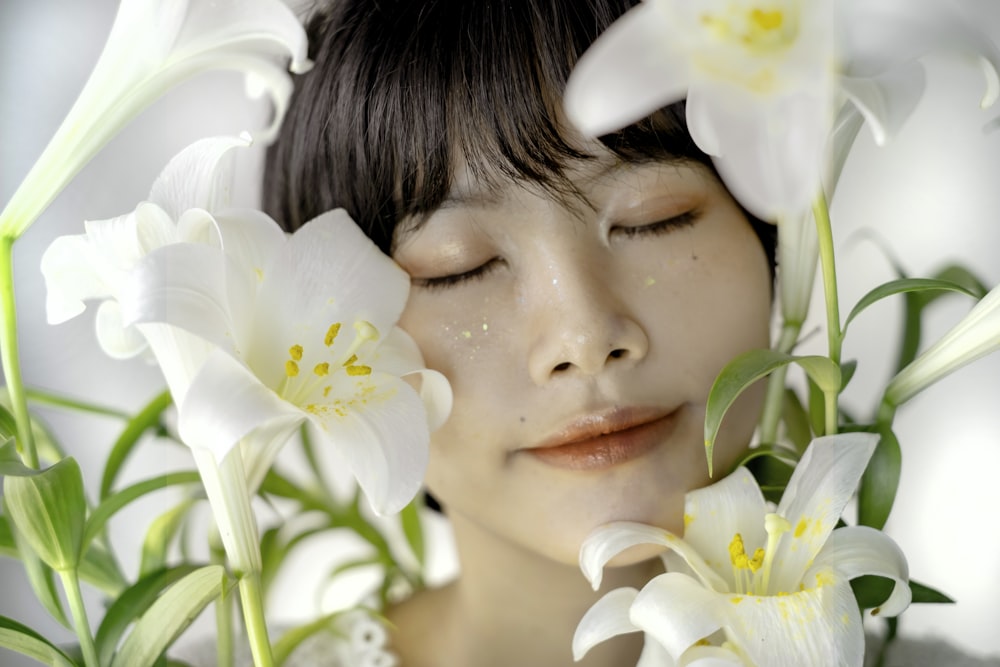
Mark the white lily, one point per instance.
(301, 330)
(772, 588)
(763, 78)
(975, 336)
(153, 46)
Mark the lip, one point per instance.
(604, 439)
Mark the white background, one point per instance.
(933, 196)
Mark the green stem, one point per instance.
(223, 606)
(774, 399)
(48, 398)
(71, 584)
(253, 615)
(824, 233)
(831, 412)
(9, 356)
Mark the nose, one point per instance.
(582, 326)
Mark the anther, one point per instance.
(331, 334)
(295, 352)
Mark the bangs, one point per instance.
(401, 91)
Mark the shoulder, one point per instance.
(925, 652)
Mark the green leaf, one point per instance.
(97, 567)
(926, 595)
(880, 481)
(170, 615)
(746, 369)
(902, 286)
(162, 530)
(413, 529)
(48, 508)
(26, 641)
(872, 591)
(8, 425)
(796, 421)
(40, 576)
(109, 506)
(847, 370)
(131, 605)
(147, 418)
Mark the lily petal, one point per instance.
(628, 73)
(677, 611)
(886, 101)
(854, 551)
(715, 514)
(194, 178)
(116, 339)
(184, 285)
(226, 402)
(607, 541)
(609, 617)
(383, 441)
(296, 297)
(399, 355)
(822, 483)
(709, 656)
(70, 278)
(824, 622)
(976, 335)
(773, 154)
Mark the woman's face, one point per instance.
(581, 337)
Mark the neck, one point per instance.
(512, 606)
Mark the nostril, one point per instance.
(617, 354)
(564, 366)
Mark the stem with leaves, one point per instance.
(824, 232)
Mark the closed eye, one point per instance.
(442, 282)
(686, 219)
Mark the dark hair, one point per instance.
(400, 88)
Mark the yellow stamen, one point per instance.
(295, 352)
(351, 360)
(291, 368)
(322, 369)
(757, 560)
(331, 334)
(358, 370)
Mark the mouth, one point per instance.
(606, 439)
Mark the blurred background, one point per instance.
(931, 197)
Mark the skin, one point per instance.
(543, 311)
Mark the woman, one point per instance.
(580, 296)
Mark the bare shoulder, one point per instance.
(420, 627)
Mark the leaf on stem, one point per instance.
(40, 575)
(48, 508)
(880, 481)
(746, 369)
(170, 615)
(131, 605)
(148, 417)
(905, 286)
(24, 640)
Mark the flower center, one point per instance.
(752, 574)
(761, 29)
(296, 386)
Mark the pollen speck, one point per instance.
(800, 529)
(326, 390)
(650, 281)
(466, 334)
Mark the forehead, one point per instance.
(582, 185)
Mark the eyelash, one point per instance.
(686, 219)
(471, 275)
